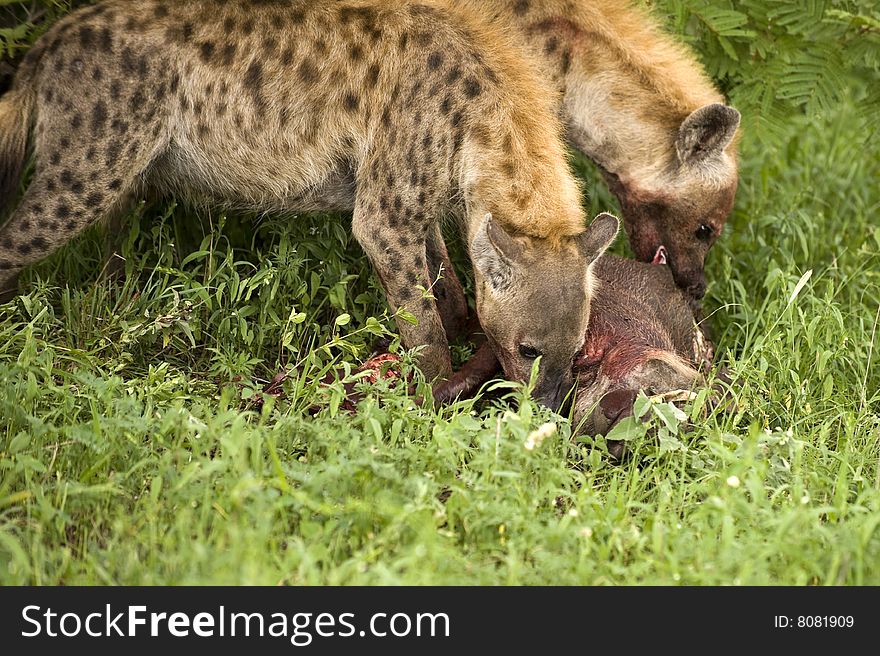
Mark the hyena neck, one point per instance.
(525, 185)
(626, 86)
(514, 163)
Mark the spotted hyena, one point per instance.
(639, 105)
(402, 112)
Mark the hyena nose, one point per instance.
(698, 289)
(617, 404)
(553, 395)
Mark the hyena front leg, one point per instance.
(446, 287)
(397, 252)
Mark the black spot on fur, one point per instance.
(112, 151)
(206, 51)
(160, 11)
(372, 75)
(99, 117)
(187, 31)
(351, 102)
(551, 45)
(307, 71)
(520, 7)
(175, 82)
(435, 60)
(446, 105)
(356, 52)
(62, 211)
(472, 88)
(86, 36)
(55, 158)
(247, 28)
(94, 199)
(229, 24)
(287, 56)
(105, 41)
(137, 101)
(40, 243)
(115, 184)
(129, 64)
(253, 83)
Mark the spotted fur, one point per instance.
(402, 112)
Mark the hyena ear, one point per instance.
(495, 253)
(599, 236)
(707, 131)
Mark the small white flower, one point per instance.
(586, 532)
(573, 512)
(805, 499)
(733, 481)
(538, 435)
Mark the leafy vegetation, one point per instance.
(142, 440)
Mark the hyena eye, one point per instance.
(528, 352)
(704, 232)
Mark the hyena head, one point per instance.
(685, 208)
(533, 300)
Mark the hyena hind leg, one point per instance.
(53, 211)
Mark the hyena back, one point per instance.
(401, 112)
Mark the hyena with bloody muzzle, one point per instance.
(400, 111)
(639, 105)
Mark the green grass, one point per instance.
(136, 448)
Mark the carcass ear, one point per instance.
(599, 236)
(495, 253)
(706, 132)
